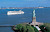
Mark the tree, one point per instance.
(44, 29)
(24, 28)
(35, 29)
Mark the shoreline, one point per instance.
(23, 7)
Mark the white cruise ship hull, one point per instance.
(14, 12)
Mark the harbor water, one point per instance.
(42, 15)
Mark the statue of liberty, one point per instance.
(34, 13)
(34, 20)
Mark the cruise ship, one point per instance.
(15, 12)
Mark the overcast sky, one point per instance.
(24, 3)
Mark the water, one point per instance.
(42, 15)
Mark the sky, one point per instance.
(24, 3)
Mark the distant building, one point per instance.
(0, 8)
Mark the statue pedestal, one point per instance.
(36, 23)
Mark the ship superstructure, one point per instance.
(15, 12)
